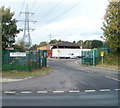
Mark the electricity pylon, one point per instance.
(26, 36)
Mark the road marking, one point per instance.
(42, 92)
(117, 89)
(77, 91)
(105, 90)
(26, 92)
(112, 78)
(58, 91)
(71, 91)
(90, 90)
(9, 92)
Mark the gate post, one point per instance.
(93, 57)
(39, 58)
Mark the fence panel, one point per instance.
(23, 61)
(93, 56)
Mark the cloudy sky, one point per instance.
(69, 20)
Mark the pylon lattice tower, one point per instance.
(26, 36)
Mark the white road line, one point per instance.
(9, 92)
(90, 90)
(77, 91)
(112, 78)
(42, 92)
(26, 92)
(117, 89)
(105, 90)
(58, 91)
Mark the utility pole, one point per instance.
(50, 37)
(26, 35)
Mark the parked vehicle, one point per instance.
(68, 53)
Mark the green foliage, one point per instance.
(96, 43)
(111, 59)
(43, 43)
(26, 74)
(111, 25)
(22, 45)
(18, 47)
(80, 43)
(90, 44)
(59, 40)
(34, 47)
(18, 67)
(74, 42)
(9, 27)
(53, 41)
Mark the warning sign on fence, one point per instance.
(102, 53)
(17, 54)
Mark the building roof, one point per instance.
(63, 44)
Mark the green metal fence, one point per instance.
(23, 61)
(93, 56)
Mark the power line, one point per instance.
(39, 7)
(67, 10)
(22, 6)
(50, 10)
(33, 5)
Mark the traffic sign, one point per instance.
(102, 53)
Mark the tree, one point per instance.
(111, 25)
(34, 47)
(20, 45)
(90, 44)
(59, 40)
(53, 41)
(74, 42)
(43, 43)
(80, 43)
(9, 28)
(97, 43)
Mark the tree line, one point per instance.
(87, 44)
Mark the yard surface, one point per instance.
(69, 83)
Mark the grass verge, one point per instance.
(111, 61)
(27, 74)
(108, 66)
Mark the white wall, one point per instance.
(66, 52)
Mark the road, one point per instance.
(67, 77)
(66, 99)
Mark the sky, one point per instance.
(68, 20)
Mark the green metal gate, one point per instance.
(43, 58)
(93, 56)
(30, 61)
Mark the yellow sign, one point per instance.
(102, 53)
